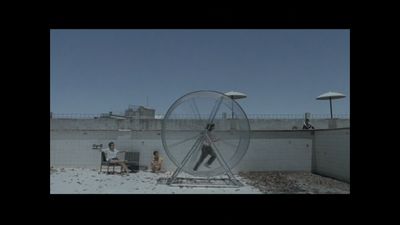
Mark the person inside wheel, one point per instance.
(207, 149)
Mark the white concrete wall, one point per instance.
(278, 151)
(73, 148)
(331, 153)
(325, 152)
(268, 150)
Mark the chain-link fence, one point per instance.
(196, 116)
(74, 116)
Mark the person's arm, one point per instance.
(106, 154)
(117, 153)
(214, 139)
(156, 162)
(159, 163)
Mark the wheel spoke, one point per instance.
(215, 110)
(228, 143)
(220, 158)
(195, 108)
(183, 141)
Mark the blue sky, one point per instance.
(281, 71)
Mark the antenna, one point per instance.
(147, 101)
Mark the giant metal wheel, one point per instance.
(185, 128)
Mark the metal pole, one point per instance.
(184, 161)
(330, 102)
(214, 111)
(221, 160)
(232, 107)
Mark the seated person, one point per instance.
(307, 125)
(156, 162)
(111, 156)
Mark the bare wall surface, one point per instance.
(325, 152)
(331, 153)
(268, 150)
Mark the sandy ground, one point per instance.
(89, 181)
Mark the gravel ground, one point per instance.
(88, 181)
(294, 183)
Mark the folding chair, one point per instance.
(133, 159)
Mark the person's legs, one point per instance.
(125, 167)
(154, 167)
(157, 168)
(213, 156)
(202, 157)
(122, 163)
